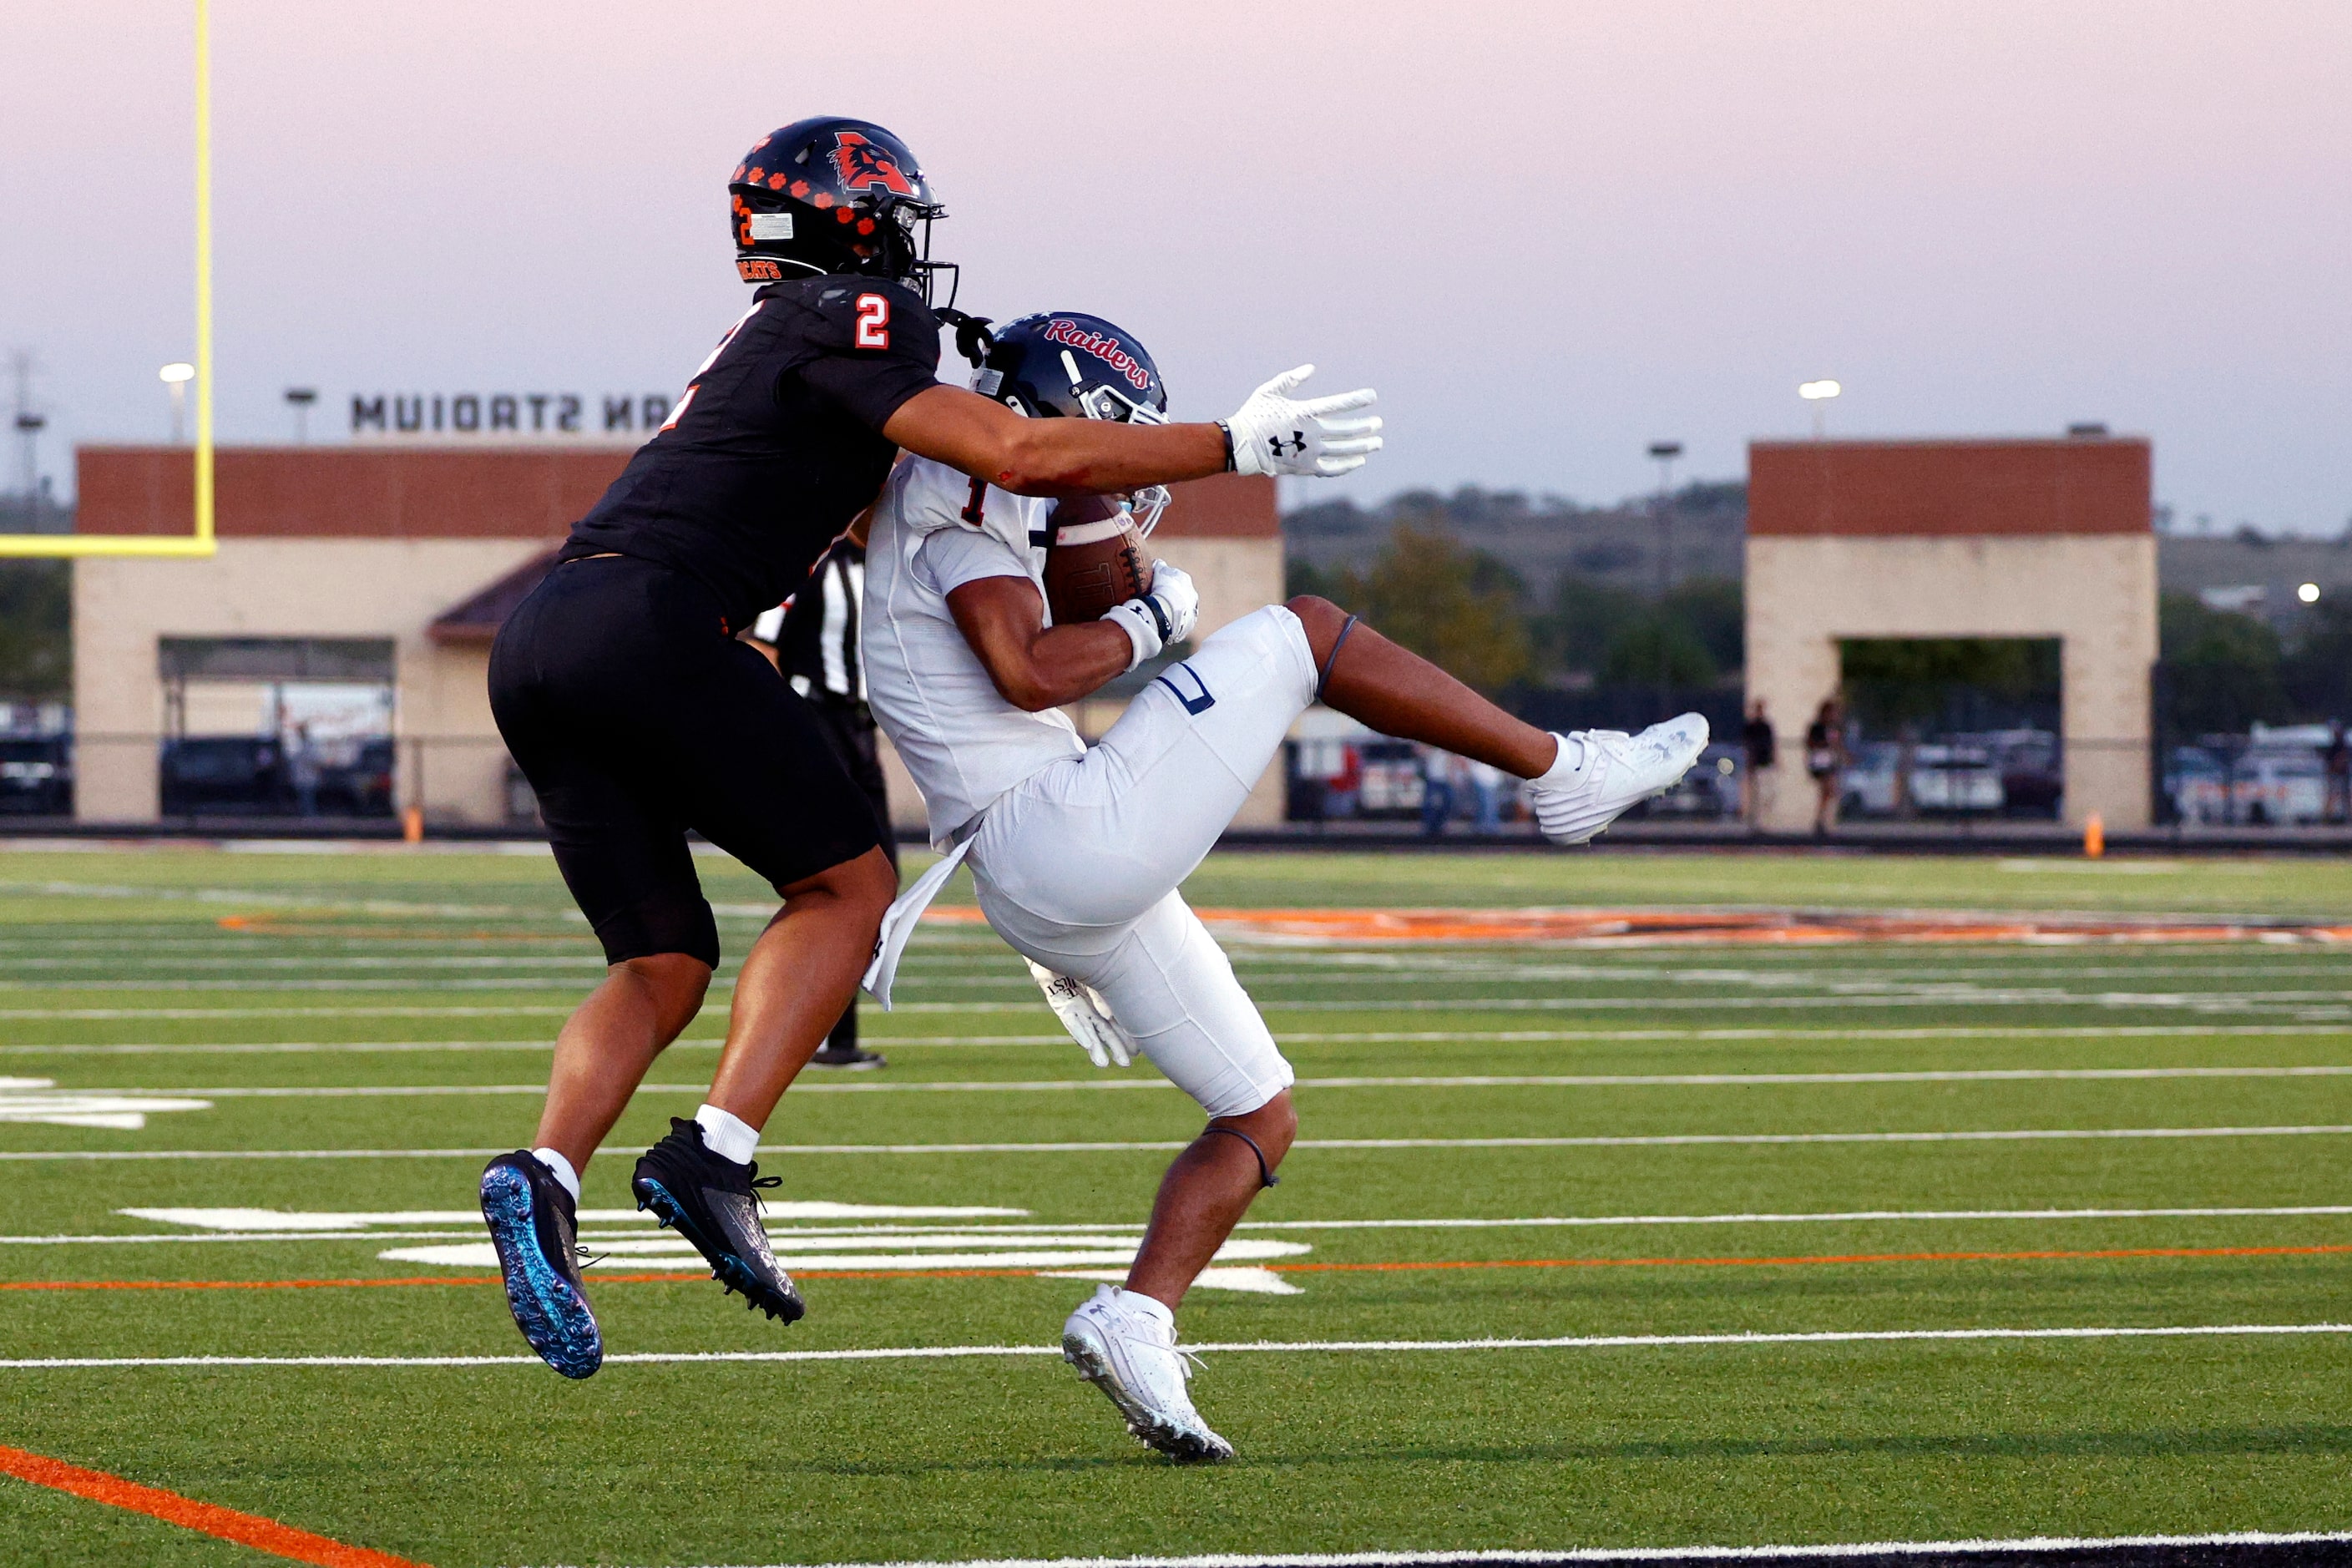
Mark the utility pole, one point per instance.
(1665, 452)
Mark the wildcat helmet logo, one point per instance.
(862, 166)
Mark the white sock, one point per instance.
(727, 1135)
(563, 1169)
(1571, 759)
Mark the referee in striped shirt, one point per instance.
(813, 637)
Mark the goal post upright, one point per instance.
(201, 541)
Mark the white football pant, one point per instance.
(1078, 866)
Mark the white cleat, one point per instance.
(1126, 1345)
(1603, 774)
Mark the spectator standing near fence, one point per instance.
(1756, 740)
(1825, 761)
(2338, 760)
(813, 637)
(1437, 774)
(302, 768)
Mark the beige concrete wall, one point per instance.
(2096, 593)
(1234, 576)
(289, 587)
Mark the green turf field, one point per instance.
(1767, 1130)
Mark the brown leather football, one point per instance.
(1095, 561)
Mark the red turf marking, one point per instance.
(1792, 1262)
(207, 1519)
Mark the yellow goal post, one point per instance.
(201, 541)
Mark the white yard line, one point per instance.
(1938, 1550)
(1288, 1037)
(1490, 1080)
(1298, 1347)
(1540, 1221)
(1663, 1140)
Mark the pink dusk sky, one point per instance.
(1549, 233)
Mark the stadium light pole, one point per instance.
(28, 427)
(177, 376)
(300, 398)
(1665, 453)
(1818, 394)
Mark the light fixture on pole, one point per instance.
(29, 425)
(2308, 593)
(300, 398)
(1665, 453)
(177, 375)
(1817, 393)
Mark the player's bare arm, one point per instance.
(1035, 666)
(1050, 456)
(1271, 433)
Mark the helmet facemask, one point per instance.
(1102, 401)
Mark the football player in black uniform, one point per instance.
(623, 693)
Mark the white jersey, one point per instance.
(933, 531)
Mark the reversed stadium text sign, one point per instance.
(560, 416)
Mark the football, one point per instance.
(1095, 561)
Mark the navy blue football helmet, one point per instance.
(827, 196)
(1066, 364)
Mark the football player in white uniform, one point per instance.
(1078, 852)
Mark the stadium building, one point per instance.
(339, 641)
(2025, 540)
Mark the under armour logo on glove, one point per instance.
(1274, 433)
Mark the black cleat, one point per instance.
(853, 1058)
(710, 1200)
(532, 1220)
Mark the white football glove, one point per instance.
(1274, 433)
(1161, 619)
(1086, 1016)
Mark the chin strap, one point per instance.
(1265, 1176)
(972, 338)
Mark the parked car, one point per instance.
(1946, 780)
(2197, 785)
(2274, 785)
(1392, 783)
(229, 773)
(359, 781)
(36, 774)
(1954, 780)
(1711, 788)
(1867, 786)
(2033, 776)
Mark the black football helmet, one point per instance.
(827, 195)
(1066, 365)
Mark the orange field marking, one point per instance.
(1794, 1262)
(1585, 928)
(205, 1518)
(674, 1276)
(1645, 928)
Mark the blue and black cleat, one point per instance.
(532, 1220)
(711, 1201)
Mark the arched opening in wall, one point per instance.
(1950, 727)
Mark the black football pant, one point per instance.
(636, 717)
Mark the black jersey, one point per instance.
(776, 444)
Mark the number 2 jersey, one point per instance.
(934, 531)
(776, 444)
